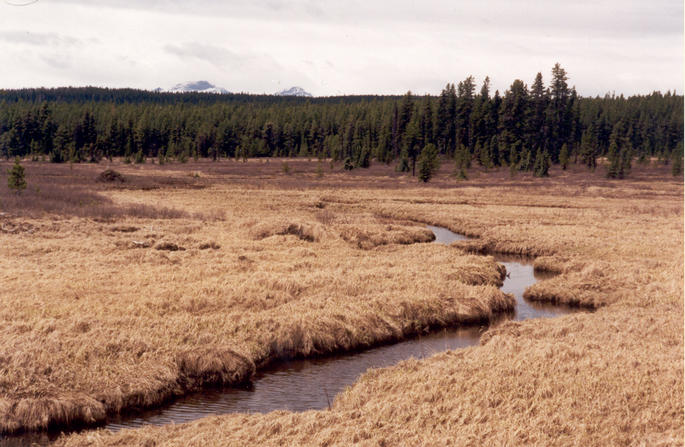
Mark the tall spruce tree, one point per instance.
(539, 101)
(514, 117)
(465, 101)
(558, 111)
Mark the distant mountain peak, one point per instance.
(197, 86)
(294, 91)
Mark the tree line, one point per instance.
(525, 128)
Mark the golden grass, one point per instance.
(90, 325)
(98, 318)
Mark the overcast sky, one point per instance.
(342, 46)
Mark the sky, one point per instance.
(342, 47)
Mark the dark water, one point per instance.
(520, 276)
(307, 384)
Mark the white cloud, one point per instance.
(334, 47)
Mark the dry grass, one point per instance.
(79, 190)
(310, 269)
(97, 318)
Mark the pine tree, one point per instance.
(614, 167)
(427, 122)
(428, 162)
(412, 141)
(626, 161)
(525, 162)
(461, 161)
(559, 111)
(17, 179)
(677, 160)
(403, 162)
(304, 148)
(542, 162)
(465, 101)
(481, 154)
(564, 157)
(539, 100)
(513, 165)
(514, 116)
(364, 160)
(140, 157)
(588, 148)
(619, 155)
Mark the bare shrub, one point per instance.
(169, 246)
(110, 176)
(125, 229)
(207, 245)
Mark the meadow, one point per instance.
(122, 295)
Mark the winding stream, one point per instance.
(307, 384)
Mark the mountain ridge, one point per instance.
(197, 86)
(294, 91)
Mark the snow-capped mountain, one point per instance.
(294, 91)
(197, 86)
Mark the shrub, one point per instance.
(110, 176)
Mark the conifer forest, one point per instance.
(526, 127)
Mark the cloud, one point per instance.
(38, 39)
(349, 47)
(215, 55)
(606, 17)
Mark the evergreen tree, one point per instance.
(614, 160)
(525, 162)
(677, 161)
(412, 142)
(564, 156)
(426, 124)
(482, 153)
(16, 179)
(588, 148)
(558, 113)
(542, 162)
(626, 162)
(406, 112)
(539, 101)
(364, 160)
(140, 157)
(304, 147)
(465, 102)
(514, 116)
(428, 162)
(481, 118)
(403, 164)
(461, 161)
(619, 155)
